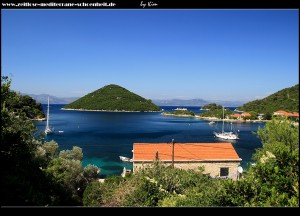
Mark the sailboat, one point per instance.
(48, 129)
(226, 135)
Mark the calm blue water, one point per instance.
(103, 136)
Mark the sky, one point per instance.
(234, 55)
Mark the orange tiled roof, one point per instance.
(246, 114)
(282, 112)
(236, 115)
(296, 114)
(185, 152)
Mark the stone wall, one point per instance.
(211, 168)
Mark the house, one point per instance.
(218, 159)
(294, 115)
(236, 115)
(240, 116)
(281, 113)
(245, 114)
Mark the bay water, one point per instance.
(104, 136)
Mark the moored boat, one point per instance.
(125, 159)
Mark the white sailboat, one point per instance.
(226, 135)
(48, 129)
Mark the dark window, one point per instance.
(224, 171)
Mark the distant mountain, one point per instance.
(286, 99)
(180, 102)
(196, 102)
(43, 99)
(113, 98)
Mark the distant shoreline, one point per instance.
(106, 110)
(181, 115)
(228, 120)
(214, 118)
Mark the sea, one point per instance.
(104, 136)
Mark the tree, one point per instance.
(67, 170)
(31, 171)
(107, 193)
(273, 180)
(91, 172)
(23, 182)
(75, 154)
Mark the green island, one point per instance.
(179, 113)
(36, 173)
(211, 106)
(113, 98)
(216, 113)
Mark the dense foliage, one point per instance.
(274, 179)
(217, 113)
(32, 172)
(286, 99)
(211, 106)
(22, 180)
(113, 98)
(156, 185)
(180, 112)
(18, 103)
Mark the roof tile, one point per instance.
(184, 151)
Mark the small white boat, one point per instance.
(125, 159)
(182, 109)
(60, 131)
(211, 123)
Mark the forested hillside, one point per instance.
(113, 98)
(22, 103)
(286, 99)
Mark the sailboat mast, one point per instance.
(223, 121)
(47, 114)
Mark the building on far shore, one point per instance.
(218, 159)
(240, 116)
(287, 114)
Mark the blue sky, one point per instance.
(158, 54)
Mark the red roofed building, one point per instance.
(240, 116)
(218, 159)
(288, 114)
(281, 113)
(245, 114)
(236, 115)
(295, 114)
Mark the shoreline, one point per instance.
(216, 119)
(39, 119)
(166, 114)
(106, 110)
(229, 120)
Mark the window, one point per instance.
(224, 171)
